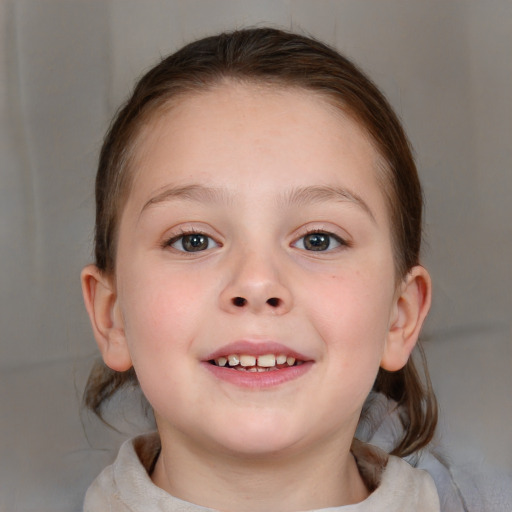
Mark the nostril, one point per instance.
(239, 301)
(274, 302)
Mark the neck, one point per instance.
(281, 482)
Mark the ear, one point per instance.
(101, 302)
(410, 310)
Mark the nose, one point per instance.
(256, 285)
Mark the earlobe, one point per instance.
(410, 310)
(107, 323)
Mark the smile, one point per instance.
(257, 365)
(261, 363)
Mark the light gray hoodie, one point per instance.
(126, 486)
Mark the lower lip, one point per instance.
(258, 380)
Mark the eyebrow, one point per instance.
(317, 194)
(197, 193)
(298, 196)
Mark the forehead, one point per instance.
(241, 136)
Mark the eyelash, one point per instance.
(340, 241)
(189, 233)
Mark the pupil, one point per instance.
(317, 242)
(195, 242)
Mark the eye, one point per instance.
(192, 242)
(319, 241)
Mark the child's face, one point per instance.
(287, 250)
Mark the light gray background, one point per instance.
(65, 65)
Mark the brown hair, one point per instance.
(275, 58)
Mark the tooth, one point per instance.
(221, 361)
(261, 370)
(281, 359)
(290, 361)
(247, 360)
(233, 360)
(267, 360)
(253, 369)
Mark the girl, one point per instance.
(258, 229)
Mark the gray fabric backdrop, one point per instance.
(64, 67)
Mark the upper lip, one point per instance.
(256, 348)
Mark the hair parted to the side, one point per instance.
(281, 59)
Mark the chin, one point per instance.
(260, 448)
(258, 437)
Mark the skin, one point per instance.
(234, 447)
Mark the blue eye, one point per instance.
(192, 242)
(318, 241)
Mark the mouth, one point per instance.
(251, 363)
(258, 364)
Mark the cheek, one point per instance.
(161, 311)
(352, 318)
(161, 319)
(349, 313)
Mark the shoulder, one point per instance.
(108, 491)
(102, 493)
(396, 485)
(412, 488)
(126, 486)
(382, 427)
